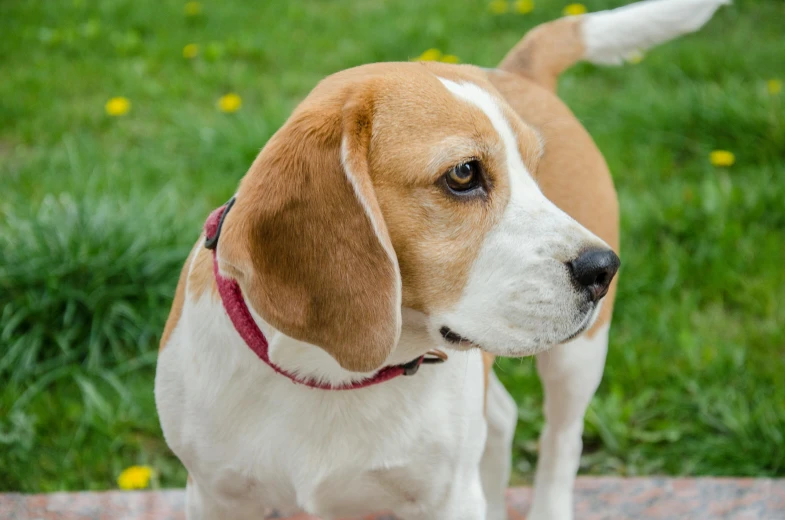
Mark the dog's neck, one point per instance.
(306, 360)
(312, 362)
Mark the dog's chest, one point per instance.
(253, 436)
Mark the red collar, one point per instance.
(245, 325)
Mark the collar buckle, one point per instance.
(432, 357)
(411, 368)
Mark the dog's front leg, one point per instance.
(501, 414)
(570, 375)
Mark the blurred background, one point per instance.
(123, 123)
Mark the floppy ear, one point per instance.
(306, 239)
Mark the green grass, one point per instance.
(97, 214)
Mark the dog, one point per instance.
(330, 346)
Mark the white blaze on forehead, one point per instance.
(519, 298)
(520, 179)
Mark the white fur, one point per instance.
(519, 298)
(502, 415)
(611, 36)
(252, 439)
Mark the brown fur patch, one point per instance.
(177, 304)
(201, 277)
(487, 366)
(546, 51)
(299, 240)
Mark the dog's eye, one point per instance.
(464, 177)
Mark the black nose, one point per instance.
(594, 269)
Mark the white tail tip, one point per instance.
(611, 36)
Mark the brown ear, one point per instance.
(306, 238)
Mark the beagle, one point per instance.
(405, 213)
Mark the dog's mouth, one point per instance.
(456, 339)
(588, 320)
(575, 334)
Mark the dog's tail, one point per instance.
(604, 37)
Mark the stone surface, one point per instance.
(597, 498)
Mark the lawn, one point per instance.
(97, 214)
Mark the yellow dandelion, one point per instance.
(450, 58)
(190, 51)
(429, 55)
(524, 6)
(193, 9)
(635, 57)
(574, 10)
(774, 86)
(498, 7)
(722, 158)
(118, 106)
(230, 103)
(135, 477)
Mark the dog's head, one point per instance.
(410, 186)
